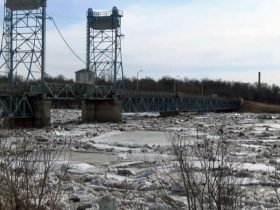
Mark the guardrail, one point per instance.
(106, 13)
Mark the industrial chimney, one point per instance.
(259, 85)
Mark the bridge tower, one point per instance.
(104, 56)
(23, 40)
(22, 54)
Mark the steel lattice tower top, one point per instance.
(23, 40)
(104, 56)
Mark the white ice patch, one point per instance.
(256, 167)
(127, 164)
(142, 114)
(114, 148)
(275, 125)
(134, 137)
(81, 168)
(252, 146)
(118, 178)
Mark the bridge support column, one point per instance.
(103, 110)
(41, 117)
(17, 122)
(42, 114)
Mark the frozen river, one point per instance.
(134, 137)
(134, 159)
(121, 147)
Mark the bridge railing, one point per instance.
(144, 93)
(129, 93)
(72, 91)
(6, 90)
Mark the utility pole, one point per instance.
(174, 85)
(259, 86)
(202, 88)
(137, 79)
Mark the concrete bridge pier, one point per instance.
(41, 117)
(101, 110)
(42, 114)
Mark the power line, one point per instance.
(67, 17)
(69, 47)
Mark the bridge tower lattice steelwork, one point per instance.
(22, 53)
(23, 40)
(104, 56)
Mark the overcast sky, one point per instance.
(215, 39)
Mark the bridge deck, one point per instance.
(17, 101)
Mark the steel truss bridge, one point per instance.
(22, 52)
(132, 101)
(168, 102)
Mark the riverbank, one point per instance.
(257, 107)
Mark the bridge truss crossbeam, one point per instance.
(181, 104)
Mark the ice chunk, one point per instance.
(81, 168)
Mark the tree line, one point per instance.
(206, 87)
(248, 91)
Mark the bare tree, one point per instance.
(272, 181)
(30, 177)
(202, 171)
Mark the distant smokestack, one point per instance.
(259, 85)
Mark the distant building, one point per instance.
(84, 76)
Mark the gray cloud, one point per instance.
(194, 40)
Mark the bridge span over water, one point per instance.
(102, 94)
(69, 95)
